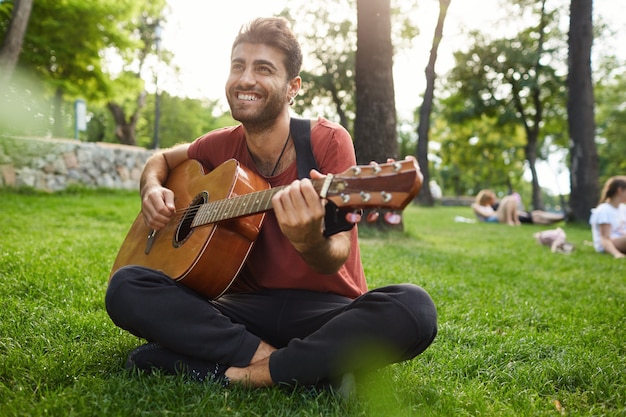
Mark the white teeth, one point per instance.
(247, 97)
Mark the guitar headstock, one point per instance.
(391, 185)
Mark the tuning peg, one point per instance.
(372, 216)
(393, 218)
(354, 216)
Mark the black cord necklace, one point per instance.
(281, 153)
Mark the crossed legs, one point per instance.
(275, 336)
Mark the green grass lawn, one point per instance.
(522, 331)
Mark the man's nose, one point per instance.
(247, 77)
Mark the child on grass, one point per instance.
(608, 219)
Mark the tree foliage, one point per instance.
(129, 100)
(67, 50)
(65, 40)
(514, 81)
(479, 153)
(182, 120)
(611, 124)
(328, 36)
(328, 33)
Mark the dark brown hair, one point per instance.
(612, 186)
(275, 32)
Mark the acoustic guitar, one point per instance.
(219, 215)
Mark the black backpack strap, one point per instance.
(335, 219)
(301, 134)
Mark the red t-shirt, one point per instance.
(273, 262)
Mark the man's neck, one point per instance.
(266, 139)
(269, 145)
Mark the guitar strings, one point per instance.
(192, 211)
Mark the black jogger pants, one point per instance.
(319, 336)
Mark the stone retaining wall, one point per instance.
(457, 201)
(55, 164)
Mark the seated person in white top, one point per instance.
(608, 220)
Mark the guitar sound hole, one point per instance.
(185, 229)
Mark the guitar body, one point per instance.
(207, 258)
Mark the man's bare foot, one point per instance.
(257, 374)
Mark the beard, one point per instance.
(257, 116)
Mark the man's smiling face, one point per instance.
(257, 86)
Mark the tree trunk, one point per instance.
(125, 130)
(12, 45)
(375, 136)
(425, 196)
(580, 111)
(530, 151)
(343, 119)
(58, 119)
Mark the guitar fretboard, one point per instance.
(230, 208)
(243, 205)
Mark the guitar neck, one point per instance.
(243, 205)
(392, 185)
(233, 207)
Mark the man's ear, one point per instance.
(294, 87)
